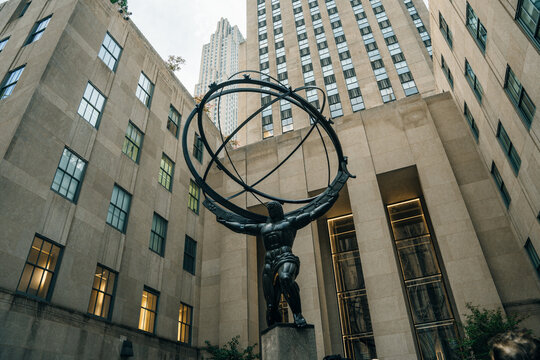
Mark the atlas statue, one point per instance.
(278, 229)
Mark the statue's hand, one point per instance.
(220, 220)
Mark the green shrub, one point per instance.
(231, 351)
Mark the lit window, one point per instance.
(500, 184)
(190, 255)
(3, 43)
(519, 97)
(39, 273)
(37, 30)
(194, 194)
(166, 170)
(110, 52)
(471, 122)
(103, 289)
(533, 255)
(185, 323)
(91, 105)
(198, 147)
(477, 30)
(10, 81)
(508, 148)
(69, 175)
(145, 89)
(173, 121)
(158, 234)
(119, 209)
(132, 142)
(473, 81)
(528, 16)
(149, 303)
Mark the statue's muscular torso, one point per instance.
(276, 235)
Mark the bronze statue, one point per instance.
(281, 266)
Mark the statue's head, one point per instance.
(275, 210)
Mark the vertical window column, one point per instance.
(424, 35)
(267, 122)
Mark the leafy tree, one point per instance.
(175, 62)
(231, 351)
(480, 326)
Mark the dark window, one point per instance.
(335, 24)
(264, 65)
(326, 61)
(349, 73)
(39, 273)
(519, 97)
(91, 105)
(302, 36)
(263, 36)
(344, 55)
(300, 22)
(285, 114)
(158, 234)
(185, 323)
(145, 90)
(333, 99)
(132, 142)
(384, 24)
(329, 79)
(37, 30)
(69, 175)
(378, 9)
(405, 77)
(277, 17)
(307, 67)
(9, 82)
(280, 44)
(528, 16)
(500, 184)
(322, 45)
(194, 195)
(365, 30)
(332, 11)
(3, 43)
(390, 40)
(371, 46)
(110, 52)
(281, 59)
(318, 30)
(471, 122)
(304, 51)
(340, 39)
(445, 30)
(477, 30)
(103, 290)
(377, 64)
(447, 72)
(473, 81)
(282, 76)
(173, 121)
(190, 255)
(354, 93)
(533, 255)
(360, 15)
(25, 7)
(398, 58)
(263, 50)
(149, 307)
(118, 213)
(384, 84)
(316, 16)
(198, 146)
(508, 148)
(297, 10)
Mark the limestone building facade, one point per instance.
(104, 239)
(219, 61)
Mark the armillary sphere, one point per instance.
(222, 206)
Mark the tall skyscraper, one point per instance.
(219, 60)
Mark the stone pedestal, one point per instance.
(286, 341)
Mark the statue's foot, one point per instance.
(299, 320)
(272, 317)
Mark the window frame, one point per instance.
(4, 85)
(88, 103)
(3, 43)
(80, 181)
(113, 295)
(191, 196)
(124, 228)
(173, 110)
(508, 148)
(24, 9)
(50, 289)
(188, 325)
(163, 238)
(198, 147)
(116, 60)
(130, 141)
(148, 102)
(155, 312)
(535, 38)
(533, 255)
(445, 30)
(522, 93)
(164, 174)
(475, 33)
(35, 32)
(497, 177)
(190, 255)
(471, 121)
(473, 82)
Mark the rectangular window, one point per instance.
(118, 213)
(471, 122)
(149, 305)
(190, 255)
(166, 172)
(185, 323)
(39, 273)
(25, 7)
(194, 194)
(445, 30)
(508, 148)
(500, 184)
(132, 142)
(91, 105)
(3, 43)
(447, 72)
(69, 175)
(533, 255)
(173, 121)
(528, 16)
(519, 97)
(473, 81)
(103, 290)
(158, 234)
(477, 30)
(110, 52)
(198, 146)
(11, 79)
(37, 30)
(145, 90)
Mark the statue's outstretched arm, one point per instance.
(304, 219)
(250, 229)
